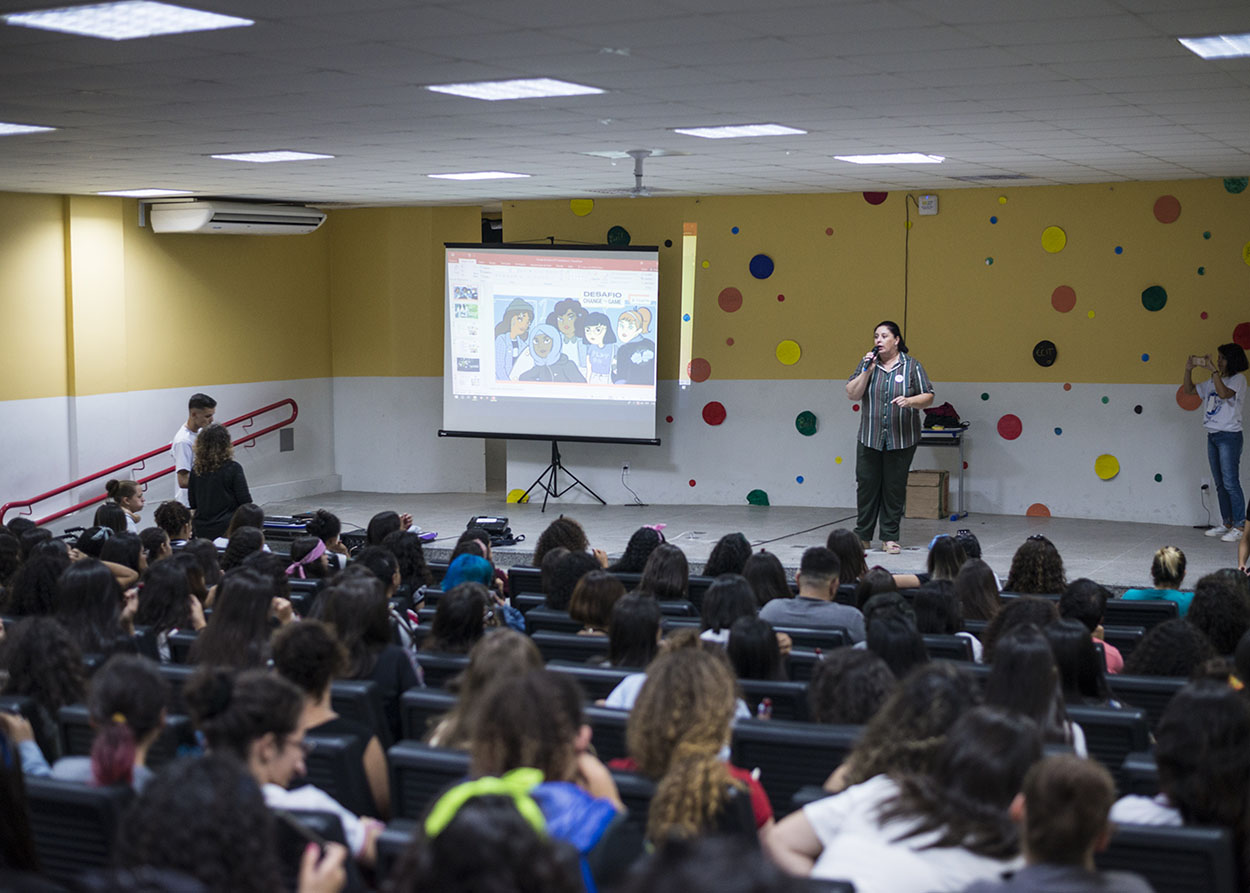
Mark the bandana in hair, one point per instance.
(297, 567)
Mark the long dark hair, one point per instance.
(234, 709)
(767, 577)
(633, 630)
(979, 769)
(237, 634)
(639, 548)
(243, 542)
(728, 556)
(410, 554)
(1024, 679)
(356, 606)
(127, 704)
(945, 559)
(90, 605)
(1082, 677)
(753, 650)
(847, 545)
(460, 618)
(666, 575)
(977, 590)
(164, 599)
(729, 597)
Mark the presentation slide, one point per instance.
(553, 341)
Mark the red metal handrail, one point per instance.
(249, 441)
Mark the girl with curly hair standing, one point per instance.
(217, 485)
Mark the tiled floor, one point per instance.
(1117, 553)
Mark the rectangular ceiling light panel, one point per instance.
(7, 129)
(145, 193)
(478, 175)
(524, 88)
(895, 158)
(268, 157)
(738, 131)
(125, 20)
(1218, 46)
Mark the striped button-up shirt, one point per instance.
(882, 425)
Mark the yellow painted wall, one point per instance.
(387, 287)
(966, 319)
(32, 297)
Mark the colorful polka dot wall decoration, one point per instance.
(1241, 335)
(1235, 185)
(781, 297)
(706, 264)
(798, 479)
(788, 353)
(1245, 252)
(985, 396)
(692, 482)
(1119, 249)
(989, 261)
(1045, 353)
(1002, 199)
(757, 497)
(669, 419)
(1167, 209)
(581, 206)
(1058, 431)
(993, 220)
(734, 230)
(1207, 234)
(1053, 239)
(1154, 298)
(854, 407)
(875, 198)
(1202, 271)
(1106, 399)
(1202, 315)
(1067, 385)
(828, 230)
(1010, 427)
(668, 243)
(837, 460)
(1145, 358)
(1187, 402)
(805, 423)
(1138, 409)
(618, 235)
(729, 341)
(685, 317)
(729, 300)
(1063, 298)
(714, 413)
(1037, 510)
(1158, 478)
(1106, 466)
(700, 369)
(761, 266)
(1090, 314)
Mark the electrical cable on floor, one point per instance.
(636, 501)
(801, 532)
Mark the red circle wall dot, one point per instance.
(714, 413)
(1241, 335)
(781, 297)
(828, 230)
(692, 482)
(730, 299)
(1063, 298)
(875, 198)
(1187, 402)
(729, 341)
(1037, 510)
(854, 407)
(700, 369)
(1009, 427)
(1167, 209)
(1202, 315)
(669, 419)
(1067, 385)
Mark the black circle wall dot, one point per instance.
(1045, 353)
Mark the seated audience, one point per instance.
(174, 518)
(1024, 680)
(42, 661)
(326, 526)
(95, 610)
(814, 606)
(247, 515)
(256, 717)
(891, 633)
(1171, 648)
(594, 596)
(126, 549)
(977, 590)
(32, 590)
(729, 597)
(945, 559)
(1061, 815)
(634, 631)
(309, 560)
(1167, 569)
(155, 544)
(1082, 676)
(245, 541)
(385, 523)
(1086, 601)
(237, 634)
(639, 548)
(462, 616)
(754, 651)
(127, 711)
(728, 556)
(567, 570)
(414, 571)
(205, 554)
(1220, 610)
(666, 575)
(129, 496)
(10, 557)
(1036, 569)
(1202, 748)
(676, 732)
(938, 612)
(767, 577)
(904, 734)
(533, 722)
(166, 606)
(851, 556)
(1017, 612)
(565, 533)
(111, 516)
(487, 834)
(848, 687)
(356, 606)
(875, 582)
(308, 655)
(710, 865)
(938, 831)
(500, 654)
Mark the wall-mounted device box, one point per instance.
(927, 205)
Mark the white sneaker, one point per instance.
(1232, 536)
(1218, 530)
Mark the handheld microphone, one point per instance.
(876, 349)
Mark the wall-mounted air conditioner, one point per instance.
(233, 218)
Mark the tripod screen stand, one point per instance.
(549, 480)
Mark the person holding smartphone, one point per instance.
(1223, 396)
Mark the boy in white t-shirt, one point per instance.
(1223, 396)
(200, 409)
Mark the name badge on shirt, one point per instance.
(898, 379)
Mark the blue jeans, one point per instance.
(1224, 454)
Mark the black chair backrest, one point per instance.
(392, 842)
(302, 593)
(789, 699)
(438, 568)
(544, 618)
(608, 728)
(669, 623)
(976, 627)
(526, 602)
(570, 646)
(1150, 693)
(334, 765)
(294, 829)
(420, 709)
(438, 668)
(811, 637)
(801, 663)
(419, 773)
(180, 646)
(1141, 774)
(1145, 613)
(176, 675)
(636, 791)
(1111, 734)
(948, 647)
(790, 755)
(679, 608)
(1125, 638)
(77, 735)
(1178, 860)
(525, 580)
(361, 700)
(845, 594)
(597, 682)
(73, 825)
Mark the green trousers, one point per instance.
(881, 479)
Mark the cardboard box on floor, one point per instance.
(928, 494)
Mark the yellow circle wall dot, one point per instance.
(1053, 239)
(706, 264)
(1090, 314)
(1002, 199)
(837, 460)
(908, 224)
(788, 353)
(1106, 466)
(581, 206)
(1245, 252)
